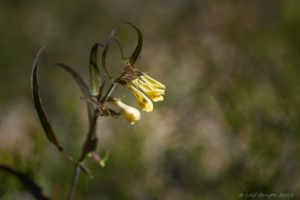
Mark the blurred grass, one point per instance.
(229, 123)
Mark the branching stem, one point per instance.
(88, 141)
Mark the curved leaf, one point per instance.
(104, 55)
(38, 104)
(95, 80)
(85, 90)
(122, 49)
(27, 182)
(138, 49)
(78, 78)
(40, 110)
(81, 83)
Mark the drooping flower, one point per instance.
(131, 114)
(151, 82)
(144, 102)
(153, 91)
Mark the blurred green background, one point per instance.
(229, 123)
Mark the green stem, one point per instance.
(112, 87)
(110, 90)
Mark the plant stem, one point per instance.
(84, 152)
(111, 89)
(74, 182)
(69, 159)
(88, 141)
(89, 137)
(104, 99)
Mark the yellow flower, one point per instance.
(153, 91)
(131, 114)
(153, 83)
(144, 102)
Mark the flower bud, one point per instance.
(129, 77)
(131, 114)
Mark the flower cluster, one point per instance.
(144, 88)
(152, 88)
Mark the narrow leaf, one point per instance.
(81, 83)
(94, 71)
(38, 104)
(122, 49)
(40, 110)
(27, 182)
(104, 55)
(85, 90)
(78, 78)
(138, 49)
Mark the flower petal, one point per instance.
(152, 92)
(154, 83)
(144, 102)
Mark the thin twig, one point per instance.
(74, 182)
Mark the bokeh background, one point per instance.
(229, 123)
